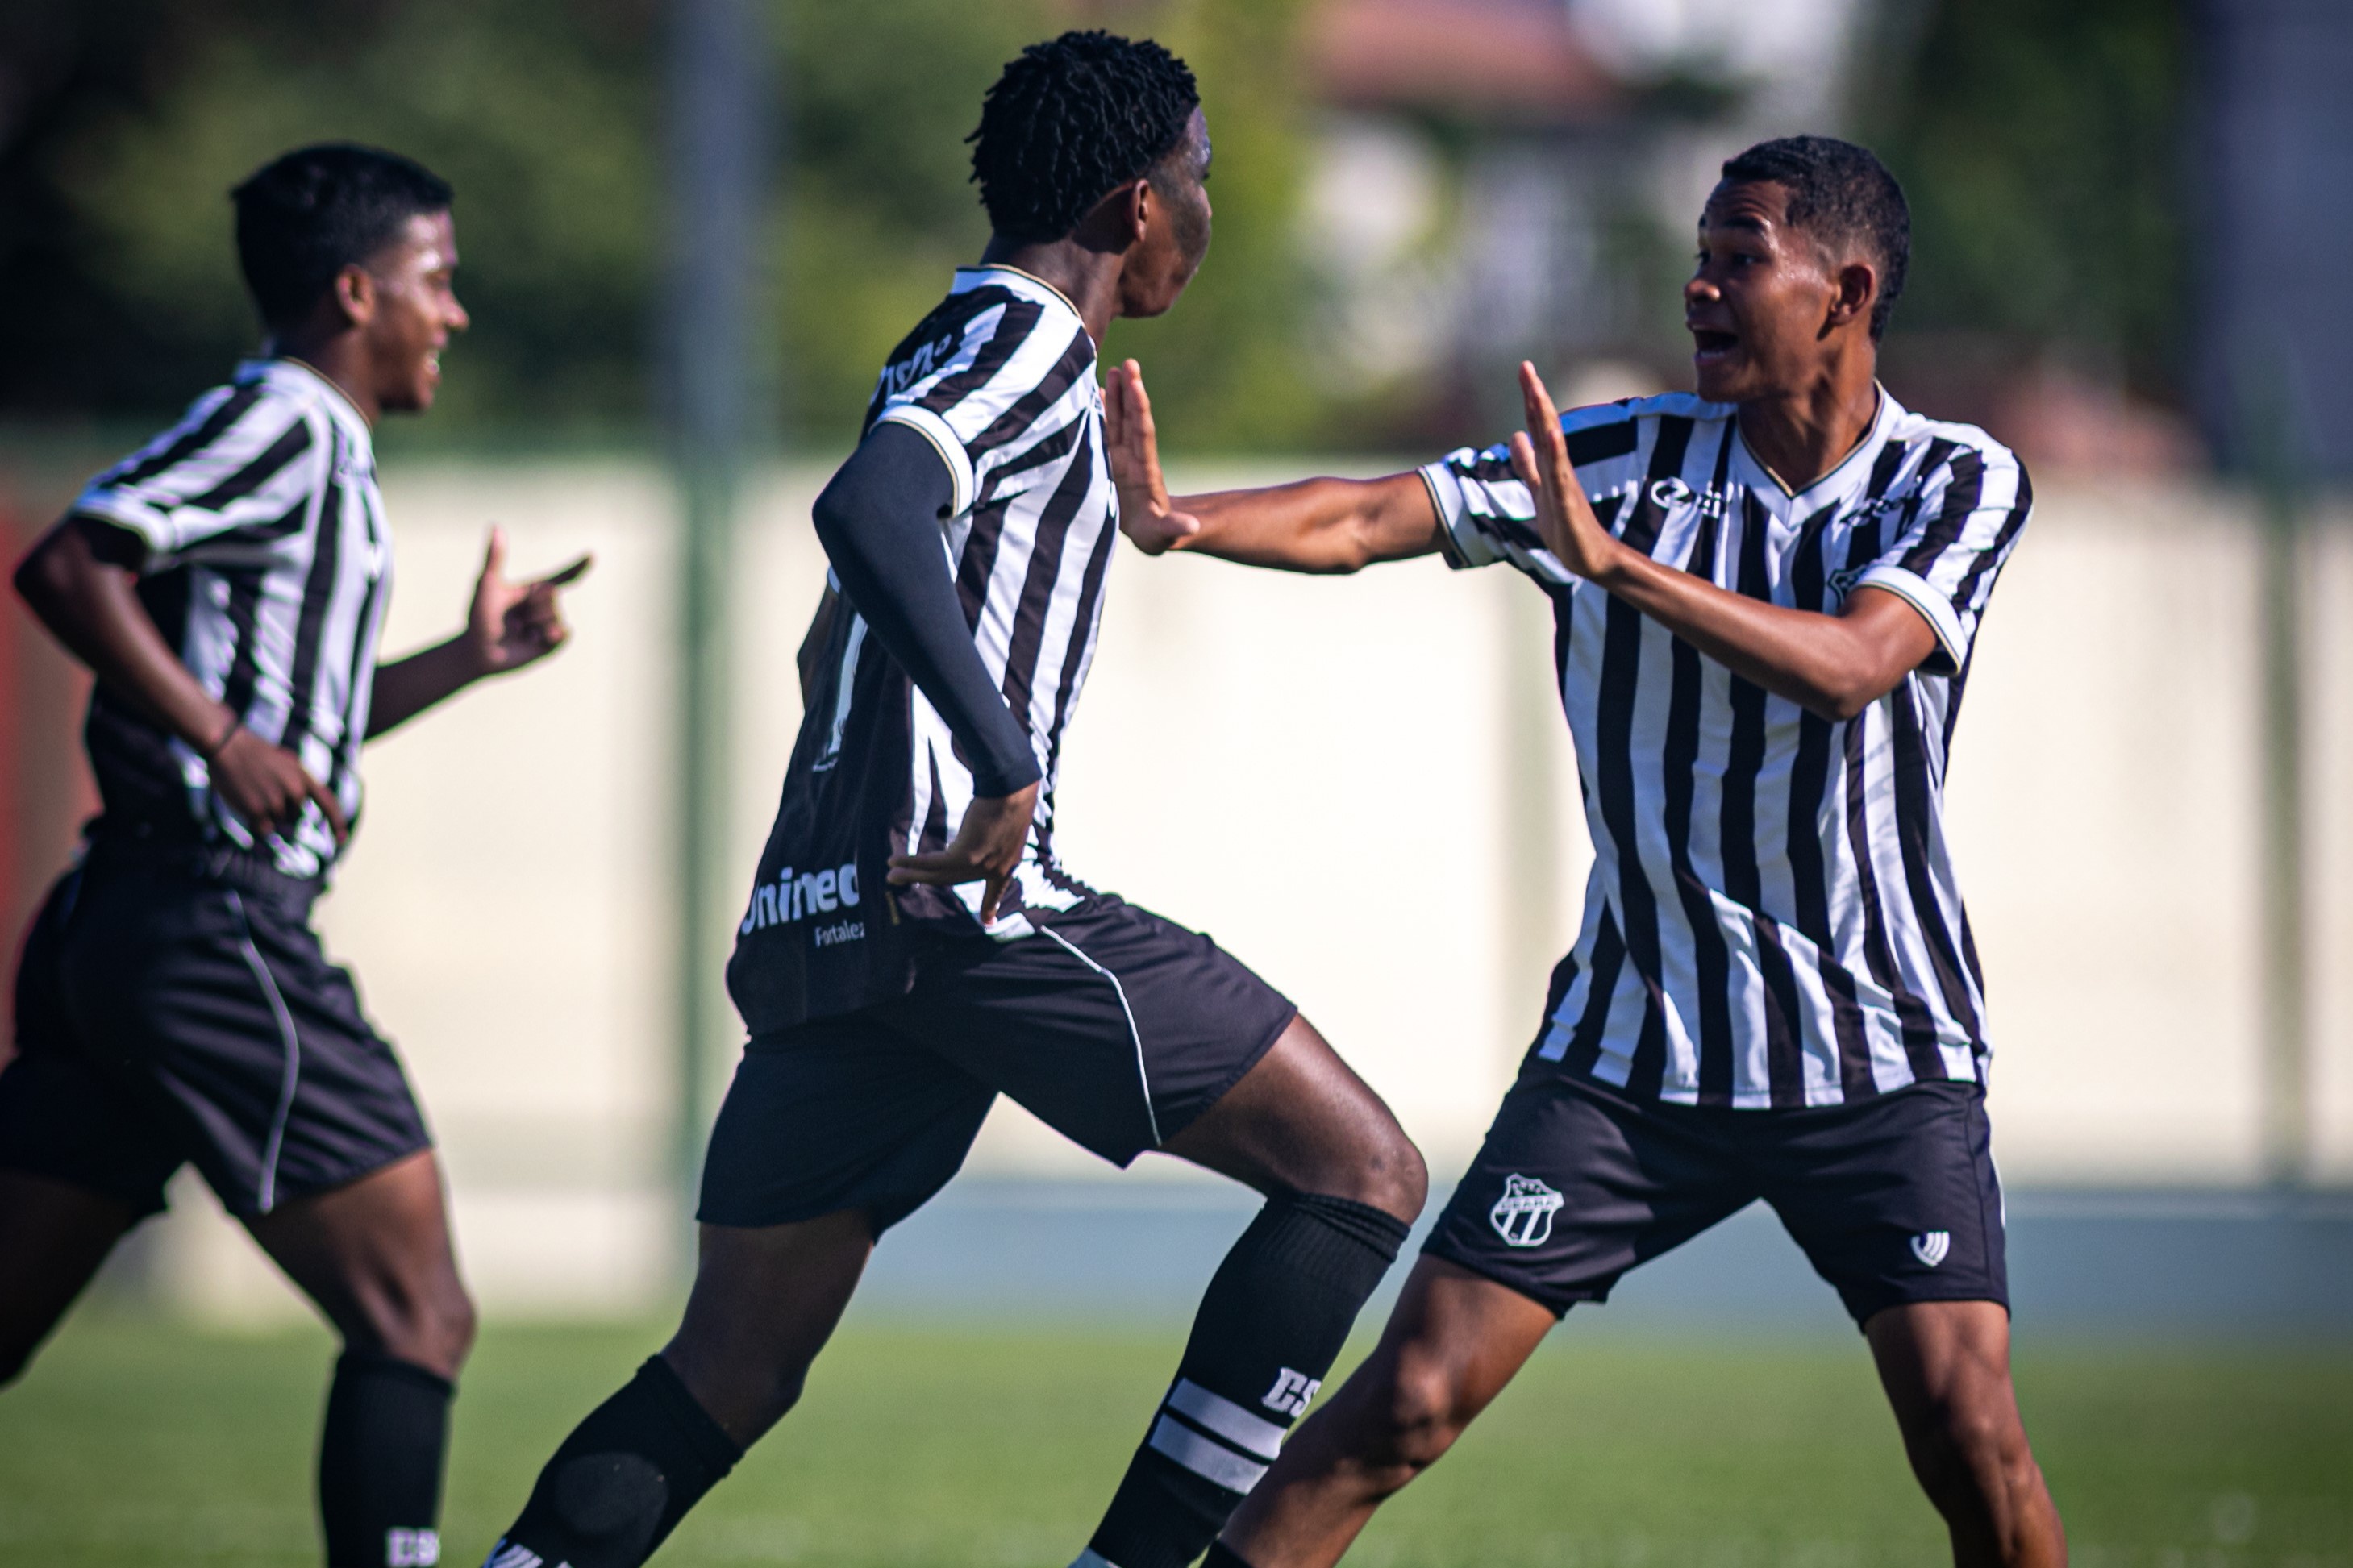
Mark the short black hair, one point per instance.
(303, 217)
(1842, 194)
(1068, 121)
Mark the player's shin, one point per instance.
(621, 1482)
(380, 1458)
(1273, 1321)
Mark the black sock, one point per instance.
(1270, 1327)
(380, 1457)
(623, 1479)
(1224, 1557)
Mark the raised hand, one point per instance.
(511, 623)
(1133, 447)
(987, 847)
(1564, 517)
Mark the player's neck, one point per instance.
(1802, 435)
(1086, 276)
(340, 357)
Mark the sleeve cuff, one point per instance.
(1934, 607)
(1461, 547)
(950, 446)
(153, 529)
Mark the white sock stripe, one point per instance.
(506, 1555)
(1211, 1461)
(1226, 1419)
(1090, 1558)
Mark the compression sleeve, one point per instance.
(878, 520)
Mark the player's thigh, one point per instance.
(375, 1254)
(841, 1114)
(53, 1236)
(1117, 1028)
(214, 1007)
(1576, 1184)
(1301, 1121)
(1893, 1198)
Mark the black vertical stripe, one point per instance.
(1621, 663)
(1965, 594)
(242, 612)
(1809, 809)
(1082, 634)
(1031, 405)
(942, 331)
(1743, 878)
(1912, 1015)
(216, 424)
(1963, 491)
(267, 465)
(1013, 328)
(1679, 775)
(1037, 583)
(317, 599)
(1914, 809)
(1609, 962)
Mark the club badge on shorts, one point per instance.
(1523, 1216)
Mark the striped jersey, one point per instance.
(1000, 378)
(267, 565)
(1772, 917)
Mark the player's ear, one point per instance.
(1856, 288)
(355, 291)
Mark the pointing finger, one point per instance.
(565, 576)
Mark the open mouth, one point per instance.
(1708, 344)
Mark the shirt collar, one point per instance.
(1844, 471)
(307, 382)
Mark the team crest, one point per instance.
(1523, 1216)
(1930, 1246)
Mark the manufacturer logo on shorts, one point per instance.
(1292, 1393)
(1930, 1246)
(1523, 1216)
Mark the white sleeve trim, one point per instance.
(940, 434)
(1934, 607)
(1466, 546)
(154, 528)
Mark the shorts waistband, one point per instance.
(246, 871)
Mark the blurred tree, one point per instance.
(2042, 148)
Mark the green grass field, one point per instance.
(136, 1443)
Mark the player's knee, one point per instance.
(1421, 1413)
(431, 1324)
(1966, 1447)
(1383, 1171)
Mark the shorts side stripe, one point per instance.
(1143, 1078)
(267, 1196)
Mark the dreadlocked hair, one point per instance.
(1068, 121)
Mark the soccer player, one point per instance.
(1765, 594)
(225, 585)
(888, 998)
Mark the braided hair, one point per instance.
(1068, 121)
(1842, 194)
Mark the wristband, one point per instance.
(231, 728)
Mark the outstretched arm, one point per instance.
(1835, 666)
(82, 581)
(1314, 525)
(878, 518)
(508, 625)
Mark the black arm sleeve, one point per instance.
(880, 522)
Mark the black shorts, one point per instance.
(1115, 1027)
(1893, 1198)
(175, 1006)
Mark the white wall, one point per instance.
(1362, 787)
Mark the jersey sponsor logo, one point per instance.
(1292, 1393)
(832, 935)
(1931, 1245)
(1523, 1216)
(796, 895)
(1669, 493)
(929, 357)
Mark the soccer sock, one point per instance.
(1270, 1327)
(623, 1479)
(1224, 1557)
(380, 1463)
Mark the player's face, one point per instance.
(1177, 234)
(417, 309)
(1759, 302)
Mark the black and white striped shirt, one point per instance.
(266, 569)
(1772, 918)
(1000, 379)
